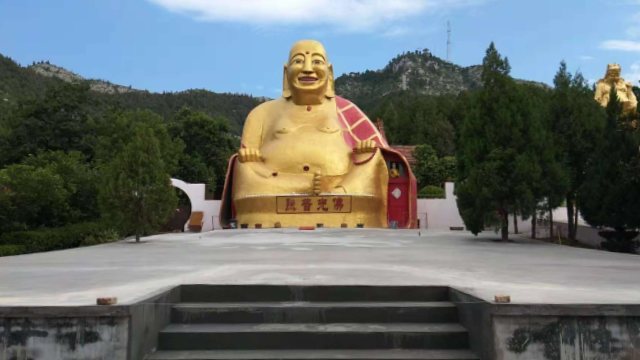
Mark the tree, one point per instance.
(31, 197)
(49, 189)
(5, 135)
(497, 163)
(431, 169)
(114, 132)
(449, 168)
(59, 121)
(79, 180)
(414, 119)
(389, 116)
(550, 189)
(427, 169)
(577, 121)
(610, 194)
(208, 146)
(136, 193)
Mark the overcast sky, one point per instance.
(241, 45)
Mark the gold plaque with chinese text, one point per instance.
(313, 204)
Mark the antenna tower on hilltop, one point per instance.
(448, 41)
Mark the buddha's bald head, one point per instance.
(613, 71)
(308, 71)
(308, 47)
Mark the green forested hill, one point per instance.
(17, 82)
(21, 83)
(234, 107)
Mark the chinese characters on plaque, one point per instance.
(313, 204)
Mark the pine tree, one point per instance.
(610, 195)
(497, 163)
(389, 116)
(577, 122)
(136, 194)
(550, 190)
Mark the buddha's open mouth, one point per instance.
(307, 79)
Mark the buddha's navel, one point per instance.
(328, 129)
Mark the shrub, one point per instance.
(9, 250)
(431, 192)
(620, 241)
(69, 236)
(101, 237)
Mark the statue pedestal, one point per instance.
(308, 210)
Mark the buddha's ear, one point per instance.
(331, 89)
(286, 92)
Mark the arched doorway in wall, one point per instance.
(188, 195)
(202, 210)
(181, 214)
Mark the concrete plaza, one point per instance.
(529, 271)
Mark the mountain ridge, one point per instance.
(417, 72)
(45, 68)
(19, 84)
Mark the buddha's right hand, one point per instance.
(249, 155)
(317, 183)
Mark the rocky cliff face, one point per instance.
(418, 72)
(101, 86)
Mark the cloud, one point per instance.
(633, 75)
(633, 31)
(621, 45)
(350, 15)
(586, 57)
(395, 32)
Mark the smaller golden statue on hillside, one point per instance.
(624, 89)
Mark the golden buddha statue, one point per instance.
(309, 157)
(624, 89)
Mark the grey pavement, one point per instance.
(527, 270)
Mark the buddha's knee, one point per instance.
(369, 178)
(255, 179)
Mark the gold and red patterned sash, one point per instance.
(356, 126)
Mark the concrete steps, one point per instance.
(312, 336)
(377, 354)
(332, 293)
(315, 312)
(313, 322)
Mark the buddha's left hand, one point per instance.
(366, 146)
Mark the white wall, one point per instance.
(586, 234)
(209, 208)
(436, 214)
(442, 214)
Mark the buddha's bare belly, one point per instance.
(307, 150)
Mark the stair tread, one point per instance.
(294, 304)
(230, 293)
(314, 327)
(315, 354)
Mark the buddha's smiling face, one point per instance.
(308, 68)
(613, 72)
